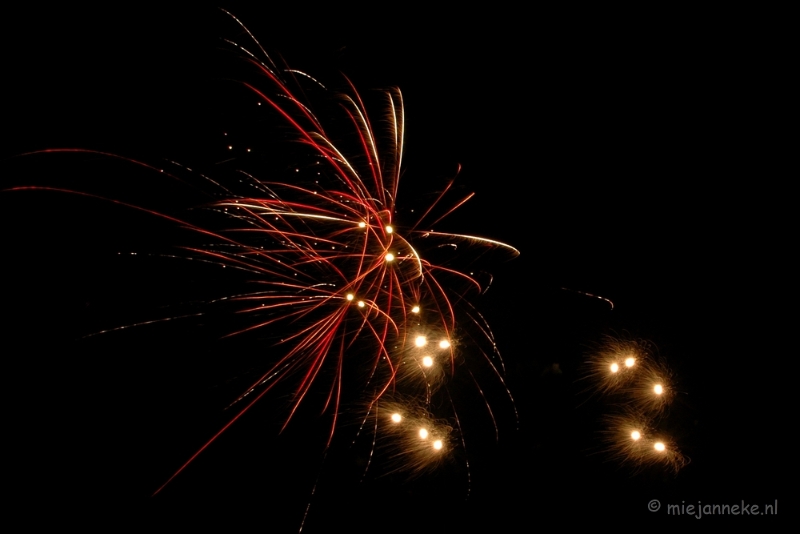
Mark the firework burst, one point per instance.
(640, 388)
(369, 308)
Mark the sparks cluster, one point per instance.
(639, 389)
(418, 441)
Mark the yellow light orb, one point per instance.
(443, 344)
(659, 389)
(659, 446)
(420, 341)
(438, 444)
(614, 367)
(389, 229)
(423, 433)
(629, 361)
(362, 224)
(415, 309)
(389, 257)
(361, 304)
(635, 435)
(396, 417)
(350, 296)
(427, 361)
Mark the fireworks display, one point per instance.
(300, 315)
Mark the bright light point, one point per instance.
(443, 344)
(660, 447)
(415, 309)
(614, 367)
(427, 361)
(629, 362)
(361, 304)
(658, 389)
(350, 296)
(423, 433)
(362, 224)
(396, 417)
(420, 341)
(389, 230)
(437, 444)
(635, 435)
(389, 257)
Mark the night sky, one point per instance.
(631, 160)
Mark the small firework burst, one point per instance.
(639, 388)
(634, 438)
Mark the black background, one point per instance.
(628, 155)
